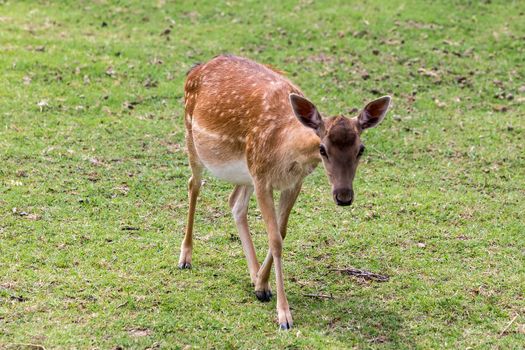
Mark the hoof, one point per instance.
(183, 266)
(285, 325)
(263, 295)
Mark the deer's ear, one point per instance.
(306, 112)
(374, 112)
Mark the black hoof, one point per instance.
(285, 326)
(263, 295)
(183, 266)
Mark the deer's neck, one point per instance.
(298, 156)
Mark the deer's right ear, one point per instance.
(306, 112)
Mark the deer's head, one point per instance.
(340, 141)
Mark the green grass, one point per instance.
(439, 194)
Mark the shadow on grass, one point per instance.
(353, 320)
(230, 312)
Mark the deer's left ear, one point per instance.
(306, 112)
(374, 112)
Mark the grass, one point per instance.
(93, 177)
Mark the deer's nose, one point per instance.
(344, 196)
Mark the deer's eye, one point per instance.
(322, 150)
(361, 150)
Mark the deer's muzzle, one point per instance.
(344, 197)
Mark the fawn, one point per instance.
(251, 126)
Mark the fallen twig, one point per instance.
(508, 325)
(320, 296)
(123, 304)
(367, 275)
(29, 345)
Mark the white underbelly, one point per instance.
(211, 149)
(234, 171)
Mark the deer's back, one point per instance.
(233, 95)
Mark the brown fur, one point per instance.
(342, 133)
(248, 124)
(238, 107)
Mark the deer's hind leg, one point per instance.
(194, 185)
(239, 201)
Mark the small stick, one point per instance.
(123, 304)
(35, 346)
(508, 326)
(364, 274)
(320, 296)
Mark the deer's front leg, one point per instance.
(266, 205)
(286, 203)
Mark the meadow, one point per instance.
(93, 177)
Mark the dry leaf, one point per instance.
(110, 71)
(43, 105)
(365, 75)
(440, 104)
(156, 60)
(150, 83)
(140, 332)
(429, 73)
(95, 161)
(34, 217)
(500, 108)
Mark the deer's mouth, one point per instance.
(343, 204)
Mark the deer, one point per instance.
(248, 124)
